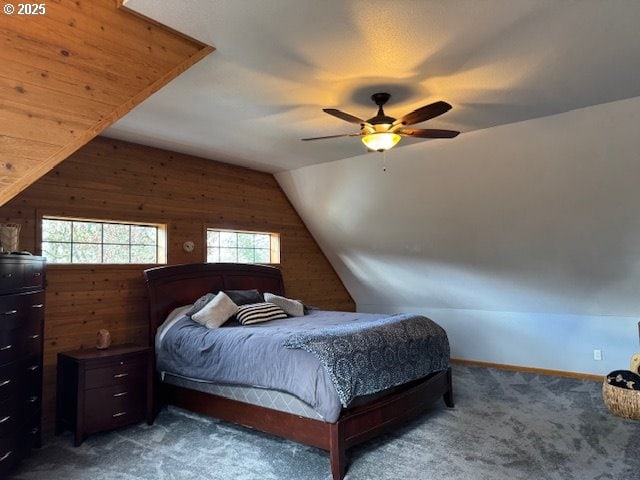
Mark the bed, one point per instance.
(170, 287)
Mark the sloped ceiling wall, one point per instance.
(69, 72)
(522, 240)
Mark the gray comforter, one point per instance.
(256, 355)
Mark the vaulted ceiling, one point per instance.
(279, 62)
(70, 71)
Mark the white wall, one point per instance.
(523, 240)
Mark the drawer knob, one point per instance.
(5, 383)
(37, 305)
(32, 368)
(7, 275)
(119, 414)
(10, 312)
(6, 455)
(5, 419)
(37, 274)
(120, 375)
(34, 430)
(6, 347)
(34, 336)
(33, 399)
(121, 394)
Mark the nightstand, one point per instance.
(101, 390)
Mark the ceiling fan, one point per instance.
(381, 132)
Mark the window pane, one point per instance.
(86, 253)
(228, 255)
(245, 240)
(56, 230)
(263, 256)
(87, 232)
(143, 235)
(245, 255)
(115, 254)
(143, 254)
(228, 239)
(57, 252)
(116, 233)
(262, 241)
(213, 254)
(213, 239)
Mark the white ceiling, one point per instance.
(279, 62)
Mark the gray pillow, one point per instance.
(200, 303)
(293, 308)
(244, 297)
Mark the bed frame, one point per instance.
(173, 286)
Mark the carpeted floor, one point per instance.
(505, 425)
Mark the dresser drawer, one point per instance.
(17, 309)
(133, 368)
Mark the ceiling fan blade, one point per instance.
(343, 116)
(331, 136)
(429, 133)
(424, 113)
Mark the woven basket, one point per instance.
(9, 236)
(621, 401)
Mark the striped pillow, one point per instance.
(259, 312)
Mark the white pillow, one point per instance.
(293, 308)
(216, 312)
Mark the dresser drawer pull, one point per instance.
(7, 275)
(10, 312)
(37, 305)
(33, 399)
(34, 336)
(120, 375)
(121, 394)
(119, 414)
(33, 368)
(37, 274)
(6, 347)
(5, 419)
(34, 431)
(6, 455)
(5, 383)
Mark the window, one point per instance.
(242, 247)
(67, 240)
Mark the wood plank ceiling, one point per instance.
(67, 74)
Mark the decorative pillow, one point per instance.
(624, 379)
(200, 303)
(244, 297)
(259, 312)
(216, 312)
(293, 308)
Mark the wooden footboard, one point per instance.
(354, 426)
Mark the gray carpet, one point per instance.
(505, 425)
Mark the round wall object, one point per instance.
(188, 246)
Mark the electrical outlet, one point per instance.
(597, 355)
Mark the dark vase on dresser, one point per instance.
(22, 283)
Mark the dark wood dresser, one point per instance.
(22, 282)
(101, 390)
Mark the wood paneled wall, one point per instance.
(69, 73)
(113, 180)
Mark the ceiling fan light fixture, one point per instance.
(381, 141)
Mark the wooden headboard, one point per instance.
(172, 286)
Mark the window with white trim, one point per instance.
(242, 247)
(78, 240)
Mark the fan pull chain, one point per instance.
(384, 161)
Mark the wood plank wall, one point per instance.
(69, 73)
(113, 180)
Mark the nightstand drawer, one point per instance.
(116, 374)
(114, 406)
